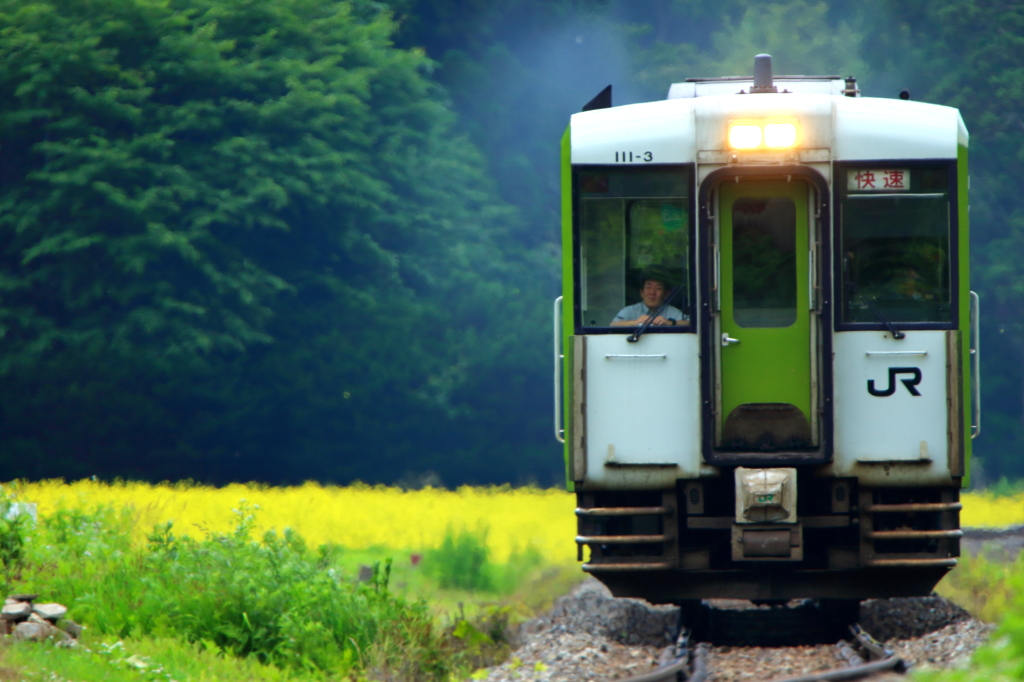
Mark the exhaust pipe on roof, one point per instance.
(763, 74)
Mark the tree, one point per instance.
(212, 207)
(801, 35)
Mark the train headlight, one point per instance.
(761, 134)
(779, 135)
(745, 136)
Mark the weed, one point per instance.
(982, 586)
(199, 588)
(14, 526)
(1002, 658)
(1006, 487)
(462, 561)
(272, 600)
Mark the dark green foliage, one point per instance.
(238, 240)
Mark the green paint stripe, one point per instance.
(567, 299)
(964, 271)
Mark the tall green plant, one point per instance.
(15, 523)
(271, 599)
(462, 561)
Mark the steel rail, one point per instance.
(852, 673)
(882, 659)
(694, 667)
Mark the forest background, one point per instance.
(282, 240)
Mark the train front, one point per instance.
(765, 343)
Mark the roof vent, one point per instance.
(851, 89)
(763, 74)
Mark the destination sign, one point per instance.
(878, 180)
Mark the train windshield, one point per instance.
(895, 227)
(634, 247)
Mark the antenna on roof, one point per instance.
(763, 74)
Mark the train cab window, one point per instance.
(895, 230)
(634, 224)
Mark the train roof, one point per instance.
(731, 85)
(692, 127)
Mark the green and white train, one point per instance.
(766, 345)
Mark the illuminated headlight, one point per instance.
(779, 135)
(761, 134)
(745, 136)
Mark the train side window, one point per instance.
(630, 221)
(602, 260)
(896, 247)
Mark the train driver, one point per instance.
(654, 287)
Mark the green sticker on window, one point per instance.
(671, 217)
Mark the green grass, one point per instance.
(231, 607)
(983, 586)
(234, 607)
(994, 592)
(146, 659)
(271, 599)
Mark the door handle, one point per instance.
(726, 339)
(559, 361)
(975, 355)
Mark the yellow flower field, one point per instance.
(354, 517)
(364, 516)
(982, 510)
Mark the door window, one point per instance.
(764, 262)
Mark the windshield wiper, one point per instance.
(870, 303)
(635, 336)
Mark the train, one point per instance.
(766, 346)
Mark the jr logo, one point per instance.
(893, 371)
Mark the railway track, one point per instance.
(589, 636)
(863, 655)
(860, 655)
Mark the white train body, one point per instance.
(824, 342)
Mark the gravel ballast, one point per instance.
(588, 636)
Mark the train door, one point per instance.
(764, 333)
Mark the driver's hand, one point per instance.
(660, 321)
(641, 319)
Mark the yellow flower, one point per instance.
(356, 516)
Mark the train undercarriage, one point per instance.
(848, 542)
